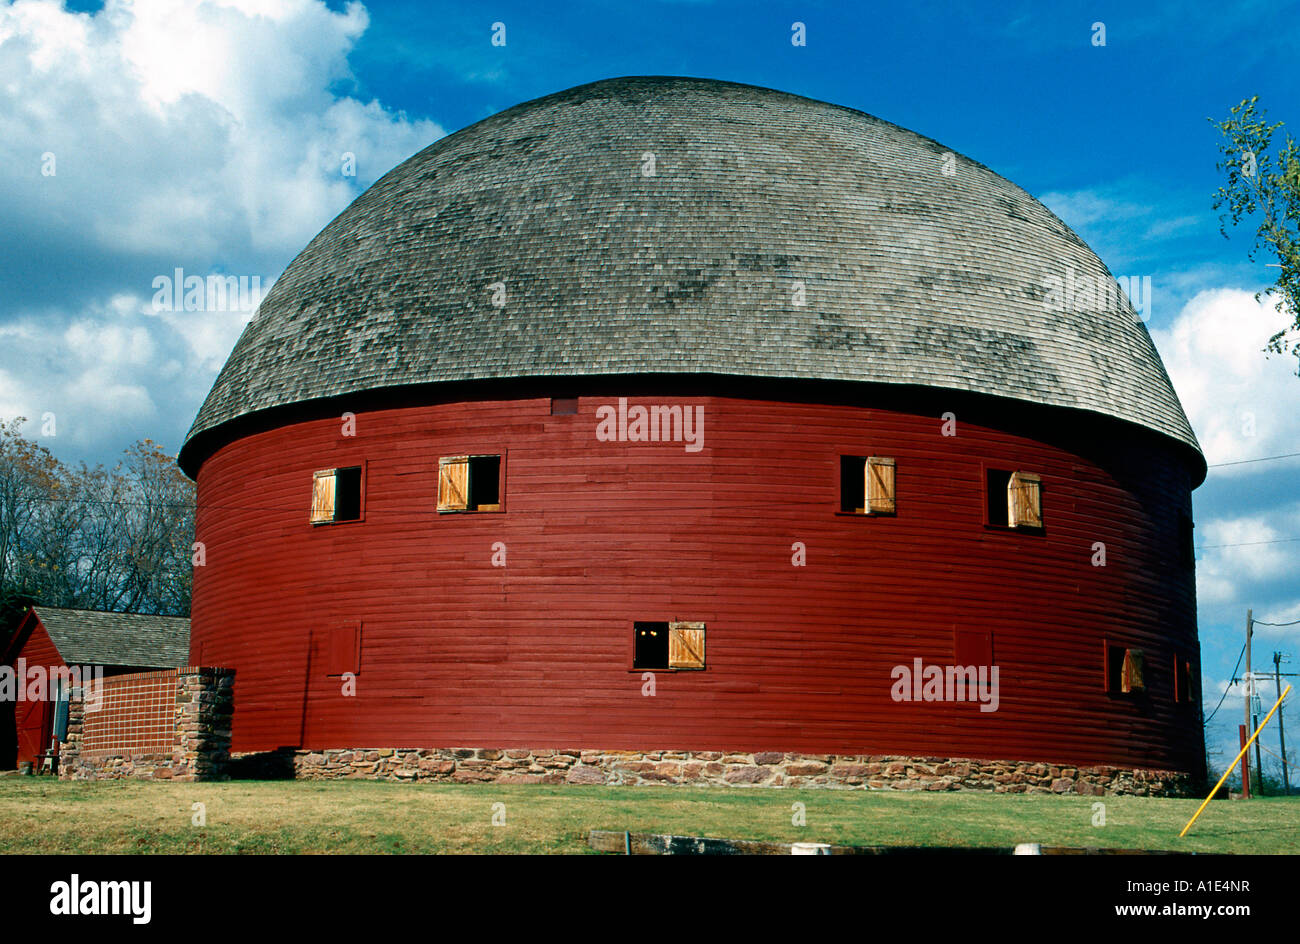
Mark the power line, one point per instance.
(1206, 547)
(1278, 758)
(1225, 691)
(1262, 623)
(1220, 465)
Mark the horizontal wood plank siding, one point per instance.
(597, 534)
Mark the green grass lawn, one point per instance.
(45, 816)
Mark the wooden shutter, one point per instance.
(880, 485)
(322, 496)
(343, 649)
(685, 645)
(453, 483)
(971, 647)
(1131, 674)
(1024, 500)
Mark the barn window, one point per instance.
(1186, 543)
(866, 485)
(1184, 680)
(469, 483)
(1015, 499)
(1124, 670)
(336, 495)
(564, 406)
(676, 645)
(343, 649)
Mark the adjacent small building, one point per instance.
(55, 638)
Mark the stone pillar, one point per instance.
(70, 747)
(204, 707)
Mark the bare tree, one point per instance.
(90, 537)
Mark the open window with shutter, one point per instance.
(1125, 670)
(1015, 499)
(866, 485)
(1131, 672)
(675, 645)
(469, 483)
(336, 495)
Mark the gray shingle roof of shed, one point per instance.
(912, 276)
(93, 637)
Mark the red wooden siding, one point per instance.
(33, 720)
(598, 535)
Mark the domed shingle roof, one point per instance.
(611, 265)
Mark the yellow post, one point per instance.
(1234, 762)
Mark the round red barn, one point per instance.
(762, 396)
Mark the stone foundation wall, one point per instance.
(199, 739)
(714, 768)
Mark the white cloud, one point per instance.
(206, 135)
(1081, 208)
(114, 372)
(1241, 404)
(189, 127)
(1246, 552)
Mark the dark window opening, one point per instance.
(1186, 543)
(1114, 667)
(1184, 681)
(347, 494)
(651, 646)
(484, 483)
(469, 483)
(998, 480)
(564, 406)
(853, 492)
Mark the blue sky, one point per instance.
(206, 136)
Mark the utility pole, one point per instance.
(1245, 718)
(1281, 732)
(1254, 720)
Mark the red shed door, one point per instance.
(35, 724)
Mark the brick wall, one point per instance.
(170, 724)
(137, 714)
